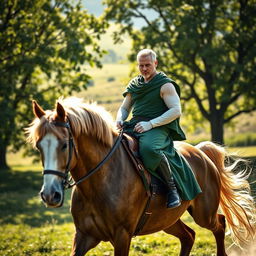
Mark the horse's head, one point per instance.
(53, 138)
(51, 133)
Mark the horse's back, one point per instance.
(202, 166)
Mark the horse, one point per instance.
(107, 204)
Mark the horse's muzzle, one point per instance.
(53, 198)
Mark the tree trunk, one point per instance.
(217, 129)
(3, 162)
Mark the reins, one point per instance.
(99, 165)
(67, 181)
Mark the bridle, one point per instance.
(71, 146)
(67, 182)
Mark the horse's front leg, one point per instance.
(82, 243)
(121, 243)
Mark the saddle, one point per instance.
(131, 146)
(152, 184)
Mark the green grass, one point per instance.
(243, 151)
(27, 227)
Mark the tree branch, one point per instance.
(226, 120)
(194, 94)
(193, 67)
(236, 72)
(8, 17)
(21, 95)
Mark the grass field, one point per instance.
(28, 228)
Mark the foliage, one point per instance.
(207, 46)
(43, 45)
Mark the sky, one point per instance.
(93, 6)
(96, 7)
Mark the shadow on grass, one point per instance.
(20, 203)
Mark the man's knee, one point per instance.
(148, 150)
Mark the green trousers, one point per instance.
(155, 142)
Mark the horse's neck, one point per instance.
(114, 176)
(91, 152)
(114, 186)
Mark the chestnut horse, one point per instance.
(107, 206)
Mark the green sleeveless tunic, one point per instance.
(148, 104)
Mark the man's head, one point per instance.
(147, 63)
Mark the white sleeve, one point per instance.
(167, 117)
(122, 114)
(125, 108)
(172, 101)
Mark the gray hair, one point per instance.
(147, 52)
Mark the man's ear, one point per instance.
(37, 110)
(156, 63)
(61, 113)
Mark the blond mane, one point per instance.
(84, 118)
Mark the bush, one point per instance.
(111, 79)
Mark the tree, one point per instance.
(44, 45)
(208, 46)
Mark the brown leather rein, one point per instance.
(67, 182)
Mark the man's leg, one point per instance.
(152, 144)
(173, 199)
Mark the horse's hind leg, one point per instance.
(212, 221)
(185, 234)
(219, 234)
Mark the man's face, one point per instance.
(147, 67)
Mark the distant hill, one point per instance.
(117, 52)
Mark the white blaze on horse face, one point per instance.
(49, 146)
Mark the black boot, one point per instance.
(173, 199)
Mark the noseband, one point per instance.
(67, 182)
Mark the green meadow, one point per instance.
(27, 227)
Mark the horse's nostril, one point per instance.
(56, 196)
(42, 196)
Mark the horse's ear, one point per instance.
(38, 111)
(61, 113)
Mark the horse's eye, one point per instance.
(64, 146)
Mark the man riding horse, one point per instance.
(156, 109)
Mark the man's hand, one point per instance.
(119, 124)
(142, 127)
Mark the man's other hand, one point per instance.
(143, 127)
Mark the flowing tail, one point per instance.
(236, 201)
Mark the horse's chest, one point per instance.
(94, 224)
